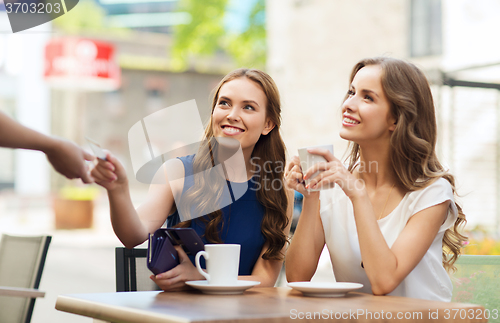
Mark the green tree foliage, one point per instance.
(249, 48)
(205, 35)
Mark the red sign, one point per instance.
(81, 64)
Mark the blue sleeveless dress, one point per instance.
(242, 222)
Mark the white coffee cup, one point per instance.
(222, 261)
(307, 160)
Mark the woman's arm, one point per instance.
(387, 267)
(308, 240)
(132, 226)
(267, 271)
(307, 243)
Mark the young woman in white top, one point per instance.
(390, 220)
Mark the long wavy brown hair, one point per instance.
(268, 160)
(413, 141)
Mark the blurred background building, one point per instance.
(314, 44)
(171, 51)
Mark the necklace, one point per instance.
(387, 200)
(382, 213)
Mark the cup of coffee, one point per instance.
(307, 160)
(222, 261)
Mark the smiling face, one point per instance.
(240, 113)
(366, 111)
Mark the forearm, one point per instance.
(265, 281)
(265, 271)
(379, 261)
(305, 248)
(124, 218)
(15, 135)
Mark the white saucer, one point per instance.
(239, 288)
(325, 289)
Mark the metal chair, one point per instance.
(476, 281)
(21, 264)
(132, 273)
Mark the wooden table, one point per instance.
(262, 305)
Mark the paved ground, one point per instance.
(79, 261)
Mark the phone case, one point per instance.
(162, 255)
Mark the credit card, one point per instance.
(96, 148)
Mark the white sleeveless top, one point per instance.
(428, 280)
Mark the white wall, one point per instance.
(313, 45)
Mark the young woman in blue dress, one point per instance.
(246, 107)
(390, 220)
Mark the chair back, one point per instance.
(476, 281)
(132, 273)
(21, 264)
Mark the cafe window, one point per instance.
(425, 28)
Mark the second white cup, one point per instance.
(222, 262)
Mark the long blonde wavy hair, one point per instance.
(413, 141)
(270, 161)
